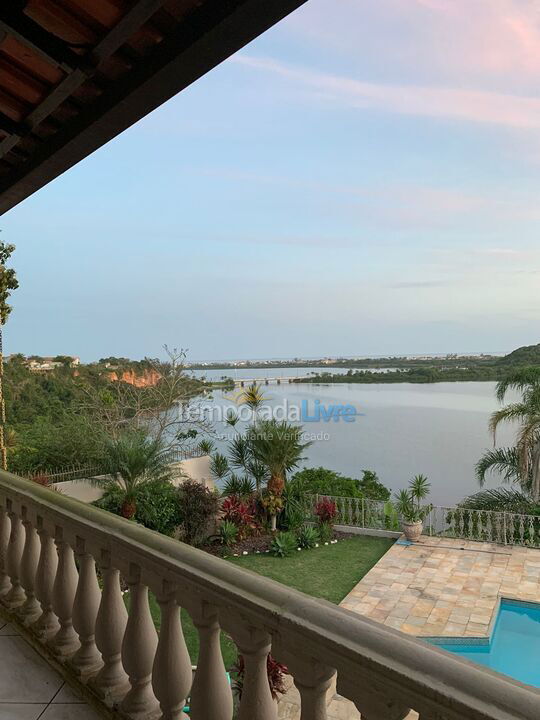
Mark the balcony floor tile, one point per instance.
(32, 690)
(69, 712)
(24, 676)
(16, 711)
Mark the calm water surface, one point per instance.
(437, 429)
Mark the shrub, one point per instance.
(321, 481)
(198, 507)
(283, 544)
(241, 486)
(241, 514)
(296, 506)
(326, 532)
(228, 533)
(307, 537)
(326, 511)
(156, 504)
(372, 488)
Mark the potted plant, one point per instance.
(410, 509)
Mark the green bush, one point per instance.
(321, 481)
(326, 532)
(156, 502)
(198, 508)
(228, 533)
(241, 486)
(307, 537)
(296, 506)
(283, 544)
(372, 488)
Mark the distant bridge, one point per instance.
(242, 382)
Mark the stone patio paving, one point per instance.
(445, 587)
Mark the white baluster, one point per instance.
(373, 700)
(211, 697)
(65, 642)
(138, 651)
(171, 675)
(111, 682)
(87, 659)
(254, 645)
(47, 624)
(313, 681)
(15, 596)
(30, 610)
(5, 531)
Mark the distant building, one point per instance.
(45, 364)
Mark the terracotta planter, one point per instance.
(412, 531)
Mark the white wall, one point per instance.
(195, 468)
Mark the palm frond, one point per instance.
(509, 413)
(501, 500)
(206, 446)
(253, 396)
(133, 458)
(219, 466)
(239, 453)
(520, 380)
(504, 461)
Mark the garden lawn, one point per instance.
(328, 572)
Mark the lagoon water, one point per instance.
(439, 429)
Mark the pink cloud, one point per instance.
(480, 106)
(465, 39)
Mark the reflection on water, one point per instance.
(439, 430)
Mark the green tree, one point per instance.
(520, 464)
(134, 459)
(8, 283)
(278, 447)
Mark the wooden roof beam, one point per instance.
(30, 33)
(209, 35)
(133, 19)
(10, 126)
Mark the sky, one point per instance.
(363, 179)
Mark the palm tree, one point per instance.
(8, 282)
(277, 446)
(521, 463)
(253, 396)
(133, 459)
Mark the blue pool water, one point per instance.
(514, 648)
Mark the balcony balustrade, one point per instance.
(61, 567)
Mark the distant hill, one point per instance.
(523, 356)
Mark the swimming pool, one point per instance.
(514, 647)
